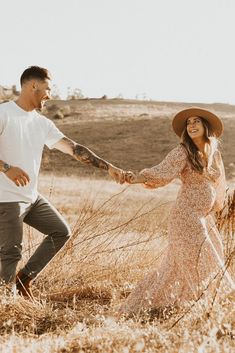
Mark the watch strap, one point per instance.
(6, 167)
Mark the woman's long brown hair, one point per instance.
(192, 150)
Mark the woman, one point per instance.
(194, 254)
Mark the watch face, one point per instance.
(6, 167)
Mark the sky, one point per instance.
(164, 50)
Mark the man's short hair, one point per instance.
(34, 72)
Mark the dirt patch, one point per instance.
(130, 134)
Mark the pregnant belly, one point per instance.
(196, 199)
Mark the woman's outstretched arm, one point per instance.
(169, 169)
(163, 173)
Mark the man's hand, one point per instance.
(18, 176)
(117, 174)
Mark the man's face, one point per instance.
(41, 93)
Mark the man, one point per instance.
(23, 133)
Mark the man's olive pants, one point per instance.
(40, 215)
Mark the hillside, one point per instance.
(131, 134)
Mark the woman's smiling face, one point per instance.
(195, 128)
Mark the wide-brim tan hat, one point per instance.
(179, 121)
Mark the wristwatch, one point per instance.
(5, 167)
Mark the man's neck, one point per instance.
(24, 103)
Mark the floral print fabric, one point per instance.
(195, 250)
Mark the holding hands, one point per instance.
(121, 176)
(116, 174)
(134, 178)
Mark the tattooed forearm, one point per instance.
(84, 155)
(81, 153)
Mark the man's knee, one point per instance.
(64, 231)
(67, 231)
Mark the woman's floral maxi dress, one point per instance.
(195, 250)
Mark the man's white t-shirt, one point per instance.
(22, 138)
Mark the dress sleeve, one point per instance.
(220, 185)
(169, 169)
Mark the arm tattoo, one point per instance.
(83, 154)
(86, 156)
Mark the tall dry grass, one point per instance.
(119, 233)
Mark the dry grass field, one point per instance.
(118, 235)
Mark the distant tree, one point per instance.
(75, 93)
(119, 96)
(55, 93)
(141, 96)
